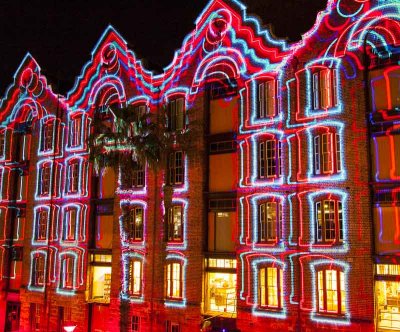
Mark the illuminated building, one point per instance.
(277, 218)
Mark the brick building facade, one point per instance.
(284, 215)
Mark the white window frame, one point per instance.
(267, 99)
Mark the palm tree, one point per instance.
(131, 139)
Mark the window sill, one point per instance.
(270, 309)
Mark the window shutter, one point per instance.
(261, 159)
(271, 100)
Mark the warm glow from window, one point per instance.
(221, 292)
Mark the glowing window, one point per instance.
(270, 287)
(135, 277)
(135, 226)
(38, 270)
(388, 269)
(67, 273)
(75, 131)
(269, 159)
(42, 217)
(270, 215)
(221, 292)
(70, 223)
(331, 292)
(174, 280)
(175, 168)
(329, 220)
(324, 88)
(176, 114)
(100, 278)
(267, 99)
(327, 154)
(175, 224)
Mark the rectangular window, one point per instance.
(41, 221)
(136, 223)
(267, 100)
(47, 135)
(270, 287)
(138, 175)
(176, 168)
(269, 159)
(329, 219)
(331, 291)
(324, 89)
(135, 277)
(100, 278)
(70, 224)
(175, 225)
(176, 114)
(45, 180)
(67, 273)
(174, 280)
(38, 271)
(135, 324)
(73, 177)
(327, 154)
(75, 131)
(35, 317)
(269, 222)
(387, 305)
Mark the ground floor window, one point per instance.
(221, 287)
(387, 305)
(100, 280)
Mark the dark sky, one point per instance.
(61, 34)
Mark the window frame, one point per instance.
(176, 168)
(69, 227)
(176, 113)
(67, 279)
(138, 175)
(39, 260)
(75, 130)
(340, 283)
(132, 230)
(327, 154)
(320, 221)
(171, 225)
(264, 287)
(265, 224)
(73, 176)
(269, 158)
(41, 216)
(172, 284)
(3, 139)
(267, 106)
(47, 135)
(324, 88)
(132, 278)
(45, 179)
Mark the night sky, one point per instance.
(61, 34)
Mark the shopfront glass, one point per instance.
(221, 292)
(388, 305)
